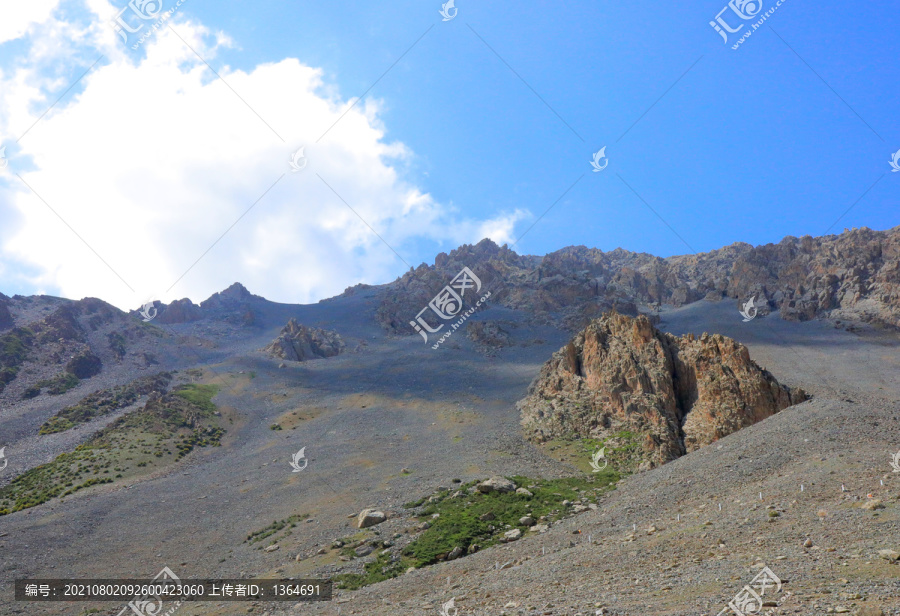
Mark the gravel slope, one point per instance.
(451, 414)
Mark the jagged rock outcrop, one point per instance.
(676, 394)
(297, 342)
(851, 276)
(179, 311)
(234, 305)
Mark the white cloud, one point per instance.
(151, 161)
(19, 17)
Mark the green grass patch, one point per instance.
(379, 570)
(459, 522)
(160, 433)
(56, 386)
(199, 395)
(105, 402)
(274, 528)
(623, 451)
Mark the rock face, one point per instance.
(179, 311)
(676, 394)
(853, 276)
(299, 343)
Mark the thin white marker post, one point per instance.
(801, 487)
(760, 496)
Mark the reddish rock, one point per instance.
(675, 394)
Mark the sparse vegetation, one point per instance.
(117, 344)
(148, 437)
(104, 402)
(14, 348)
(379, 570)
(623, 450)
(199, 395)
(474, 519)
(275, 527)
(56, 386)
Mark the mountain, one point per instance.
(413, 468)
(852, 276)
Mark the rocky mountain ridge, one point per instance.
(852, 276)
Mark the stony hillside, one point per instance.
(853, 276)
(622, 376)
(52, 344)
(189, 419)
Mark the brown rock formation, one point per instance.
(676, 394)
(300, 343)
(852, 276)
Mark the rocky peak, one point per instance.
(236, 292)
(621, 375)
(233, 295)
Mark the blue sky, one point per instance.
(775, 138)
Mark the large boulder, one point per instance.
(297, 342)
(496, 484)
(671, 394)
(370, 517)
